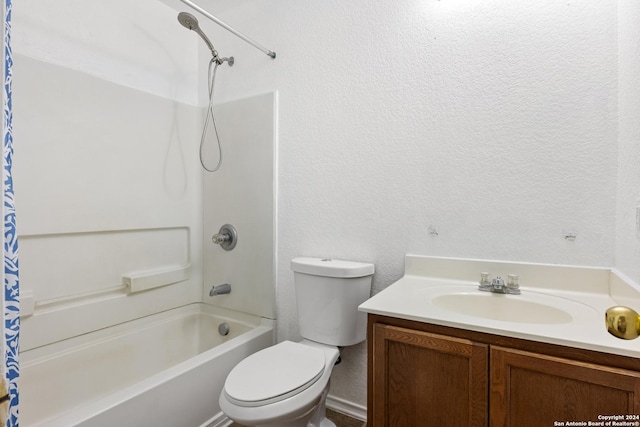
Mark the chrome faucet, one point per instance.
(498, 286)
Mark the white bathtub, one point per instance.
(165, 370)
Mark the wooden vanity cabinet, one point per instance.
(424, 379)
(429, 375)
(531, 389)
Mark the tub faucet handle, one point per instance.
(220, 238)
(226, 237)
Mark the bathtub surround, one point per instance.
(242, 193)
(113, 169)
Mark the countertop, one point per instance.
(595, 289)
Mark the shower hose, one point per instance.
(211, 80)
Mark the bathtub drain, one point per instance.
(223, 329)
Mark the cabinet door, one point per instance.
(423, 379)
(529, 389)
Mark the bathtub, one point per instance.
(165, 370)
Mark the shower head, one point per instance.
(187, 20)
(190, 22)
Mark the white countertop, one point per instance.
(591, 288)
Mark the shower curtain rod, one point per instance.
(228, 28)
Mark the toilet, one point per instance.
(287, 384)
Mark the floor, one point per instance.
(341, 420)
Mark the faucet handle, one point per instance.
(513, 287)
(226, 237)
(220, 238)
(485, 283)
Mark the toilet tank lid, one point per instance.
(331, 267)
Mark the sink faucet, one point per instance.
(497, 285)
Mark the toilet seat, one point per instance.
(274, 374)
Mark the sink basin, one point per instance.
(529, 307)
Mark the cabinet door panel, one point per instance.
(529, 389)
(424, 379)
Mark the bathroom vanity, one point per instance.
(448, 362)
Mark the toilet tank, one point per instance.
(328, 293)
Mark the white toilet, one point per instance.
(287, 384)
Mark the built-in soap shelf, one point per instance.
(145, 280)
(131, 283)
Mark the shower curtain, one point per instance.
(11, 307)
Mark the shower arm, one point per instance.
(258, 46)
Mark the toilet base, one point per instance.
(299, 423)
(317, 417)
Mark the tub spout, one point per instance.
(220, 290)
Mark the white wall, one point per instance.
(494, 122)
(627, 234)
(137, 44)
(106, 168)
(242, 193)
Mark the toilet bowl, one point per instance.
(283, 385)
(286, 385)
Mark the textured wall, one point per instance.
(493, 121)
(627, 236)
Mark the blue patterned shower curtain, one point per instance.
(11, 306)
